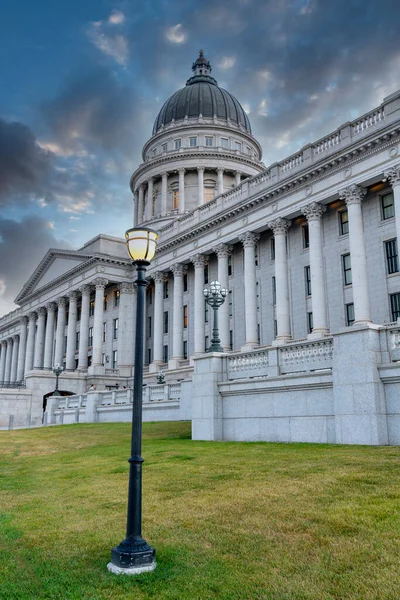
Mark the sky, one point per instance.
(81, 83)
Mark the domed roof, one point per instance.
(201, 96)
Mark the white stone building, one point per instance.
(307, 249)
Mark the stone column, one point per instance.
(200, 184)
(135, 208)
(280, 226)
(23, 332)
(314, 212)
(30, 344)
(181, 190)
(164, 193)
(140, 204)
(394, 178)
(97, 367)
(223, 251)
(39, 342)
(158, 321)
(237, 177)
(14, 359)
(84, 328)
(7, 374)
(49, 338)
(249, 241)
(199, 304)
(353, 196)
(220, 184)
(71, 330)
(150, 193)
(3, 360)
(177, 317)
(126, 335)
(60, 331)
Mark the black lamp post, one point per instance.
(57, 370)
(215, 296)
(134, 555)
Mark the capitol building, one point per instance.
(307, 250)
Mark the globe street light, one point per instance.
(215, 296)
(134, 555)
(57, 370)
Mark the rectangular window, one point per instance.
(347, 269)
(148, 356)
(185, 355)
(395, 306)
(185, 316)
(177, 144)
(165, 354)
(229, 266)
(209, 141)
(164, 147)
(148, 326)
(231, 339)
(104, 332)
(205, 312)
(343, 222)
(115, 328)
(185, 282)
(165, 290)
(258, 333)
(116, 297)
(114, 359)
(307, 279)
(391, 257)
(175, 199)
(230, 296)
(78, 313)
(105, 303)
(65, 344)
(272, 248)
(90, 338)
(206, 274)
(387, 206)
(150, 295)
(306, 236)
(193, 142)
(258, 295)
(91, 308)
(206, 342)
(309, 322)
(208, 194)
(273, 291)
(165, 322)
(77, 336)
(256, 253)
(154, 151)
(275, 327)
(103, 359)
(349, 314)
(225, 142)
(238, 146)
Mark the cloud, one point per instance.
(116, 18)
(111, 44)
(175, 34)
(226, 62)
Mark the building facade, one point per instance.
(307, 249)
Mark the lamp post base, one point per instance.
(132, 557)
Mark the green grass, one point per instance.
(229, 521)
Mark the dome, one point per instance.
(201, 97)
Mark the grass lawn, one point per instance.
(230, 521)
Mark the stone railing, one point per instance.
(327, 143)
(248, 364)
(369, 120)
(290, 163)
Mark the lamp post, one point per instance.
(134, 555)
(215, 296)
(57, 370)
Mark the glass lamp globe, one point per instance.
(215, 287)
(141, 243)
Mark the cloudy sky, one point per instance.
(81, 83)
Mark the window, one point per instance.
(90, 338)
(275, 327)
(103, 359)
(205, 312)
(343, 222)
(258, 333)
(395, 306)
(91, 308)
(148, 356)
(115, 328)
(165, 322)
(78, 313)
(309, 322)
(104, 332)
(150, 295)
(116, 297)
(208, 194)
(165, 354)
(65, 344)
(387, 206)
(206, 342)
(114, 359)
(225, 142)
(193, 142)
(164, 147)
(206, 274)
(77, 336)
(307, 279)
(165, 290)
(231, 339)
(185, 282)
(229, 266)
(272, 248)
(306, 236)
(256, 251)
(273, 291)
(391, 257)
(185, 349)
(105, 303)
(238, 146)
(347, 269)
(248, 150)
(148, 326)
(154, 151)
(185, 316)
(177, 144)
(258, 295)
(209, 141)
(175, 199)
(230, 296)
(349, 314)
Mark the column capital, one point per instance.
(314, 211)
(141, 187)
(32, 317)
(181, 171)
(279, 225)
(9, 341)
(126, 287)
(352, 194)
(61, 301)
(85, 289)
(393, 175)
(15, 338)
(201, 169)
(178, 269)
(51, 307)
(238, 173)
(199, 260)
(164, 174)
(73, 295)
(23, 320)
(158, 277)
(223, 250)
(150, 179)
(41, 311)
(249, 239)
(3, 343)
(100, 283)
(220, 169)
